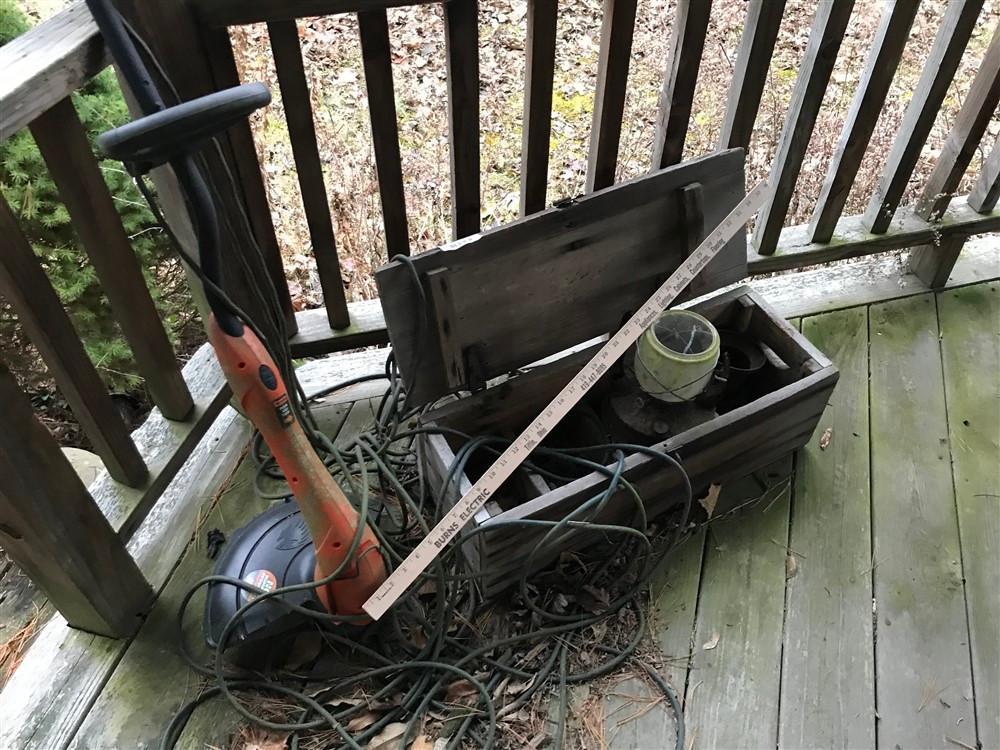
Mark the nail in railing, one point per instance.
(687, 42)
(53, 529)
(883, 59)
(985, 192)
(462, 50)
(247, 172)
(63, 142)
(960, 146)
(373, 28)
(295, 98)
(939, 71)
(27, 289)
(825, 37)
(539, 68)
(753, 62)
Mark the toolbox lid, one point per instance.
(496, 301)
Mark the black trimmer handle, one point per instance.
(173, 135)
(182, 129)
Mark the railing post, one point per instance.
(373, 28)
(977, 110)
(219, 50)
(617, 30)
(175, 36)
(753, 62)
(539, 67)
(883, 59)
(53, 529)
(28, 290)
(687, 42)
(63, 143)
(461, 44)
(985, 192)
(295, 98)
(932, 264)
(814, 74)
(939, 71)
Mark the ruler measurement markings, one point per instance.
(449, 526)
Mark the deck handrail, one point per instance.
(43, 67)
(46, 64)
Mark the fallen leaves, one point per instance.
(261, 739)
(362, 721)
(825, 438)
(708, 502)
(390, 738)
(711, 642)
(593, 599)
(14, 647)
(422, 743)
(459, 691)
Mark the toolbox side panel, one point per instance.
(727, 447)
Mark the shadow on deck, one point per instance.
(852, 605)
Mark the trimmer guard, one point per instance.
(272, 550)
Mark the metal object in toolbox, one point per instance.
(418, 560)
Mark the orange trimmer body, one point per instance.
(331, 519)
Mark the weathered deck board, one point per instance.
(923, 679)
(24, 608)
(64, 670)
(970, 353)
(923, 653)
(152, 681)
(629, 719)
(361, 416)
(828, 682)
(673, 591)
(732, 687)
(35, 706)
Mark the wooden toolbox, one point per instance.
(489, 328)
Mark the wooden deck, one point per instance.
(855, 605)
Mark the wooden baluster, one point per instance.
(63, 142)
(247, 172)
(883, 59)
(814, 73)
(373, 28)
(539, 69)
(687, 41)
(617, 31)
(462, 50)
(291, 72)
(27, 289)
(985, 192)
(977, 110)
(933, 264)
(939, 71)
(52, 528)
(174, 34)
(760, 30)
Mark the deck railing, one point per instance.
(44, 508)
